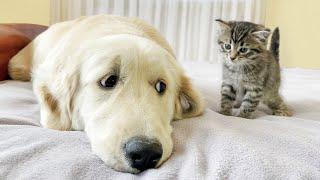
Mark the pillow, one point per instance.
(13, 38)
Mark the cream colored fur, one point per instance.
(67, 62)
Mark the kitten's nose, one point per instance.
(233, 55)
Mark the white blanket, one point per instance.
(212, 146)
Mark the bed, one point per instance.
(212, 146)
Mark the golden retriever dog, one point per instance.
(115, 78)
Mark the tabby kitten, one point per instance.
(251, 72)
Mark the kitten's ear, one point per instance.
(224, 25)
(262, 35)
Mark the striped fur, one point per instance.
(275, 43)
(251, 72)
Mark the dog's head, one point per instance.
(128, 91)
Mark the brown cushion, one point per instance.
(14, 37)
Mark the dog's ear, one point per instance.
(55, 112)
(189, 103)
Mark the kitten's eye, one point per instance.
(109, 81)
(243, 50)
(227, 46)
(160, 87)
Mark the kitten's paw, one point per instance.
(237, 105)
(283, 110)
(225, 112)
(244, 115)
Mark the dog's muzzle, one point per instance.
(143, 153)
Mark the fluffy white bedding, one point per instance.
(212, 146)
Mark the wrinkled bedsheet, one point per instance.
(212, 146)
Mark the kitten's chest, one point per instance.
(240, 77)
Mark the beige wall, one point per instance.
(24, 11)
(299, 22)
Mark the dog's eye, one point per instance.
(109, 81)
(160, 87)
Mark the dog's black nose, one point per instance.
(143, 153)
